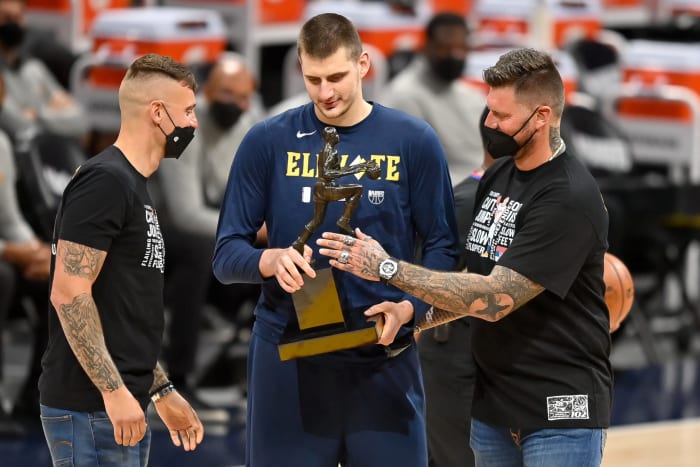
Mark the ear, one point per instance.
(364, 64)
(155, 110)
(544, 116)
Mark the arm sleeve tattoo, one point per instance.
(80, 319)
(456, 295)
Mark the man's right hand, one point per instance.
(287, 265)
(126, 415)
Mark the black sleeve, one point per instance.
(94, 209)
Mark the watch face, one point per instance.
(387, 268)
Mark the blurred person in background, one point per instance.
(24, 273)
(431, 88)
(192, 189)
(36, 101)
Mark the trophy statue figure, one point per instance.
(322, 324)
(326, 189)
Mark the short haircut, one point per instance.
(151, 65)
(322, 36)
(444, 20)
(533, 76)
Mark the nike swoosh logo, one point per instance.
(301, 134)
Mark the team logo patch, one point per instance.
(573, 407)
(375, 196)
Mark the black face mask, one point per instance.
(11, 35)
(225, 114)
(499, 144)
(177, 140)
(448, 69)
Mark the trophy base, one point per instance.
(330, 340)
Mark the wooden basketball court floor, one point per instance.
(660, 444)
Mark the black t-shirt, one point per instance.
(106, 206)
(546, 365)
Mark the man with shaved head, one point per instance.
(100, 368)
(192, 190)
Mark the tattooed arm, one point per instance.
(159, 378)
(452, 294)
(455, 295)
(77, 268)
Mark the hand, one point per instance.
(39, 266)
(393, 315)
(287, 265)
(362, 253)
(30, 114)
(185, 428)
(60, 100)
(22, 254)
(126, 415)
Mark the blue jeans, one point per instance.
(86, 439)
(560, 447)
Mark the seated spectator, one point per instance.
(35, 100)
(192, 189)
(24, 272)
(430, 88)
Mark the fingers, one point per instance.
(343, 254)
(142, 427)
(175, 437)
(290, 266)
(393, 319)
(361, 235)
(131, 437)
(389, 331)
(197, 431)
(189, 439)
(130, 434)
(308, 253)
(341, 259)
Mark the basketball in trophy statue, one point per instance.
(323, 326)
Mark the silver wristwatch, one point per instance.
(388, 269)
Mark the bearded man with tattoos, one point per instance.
(534, 277)
(106, 320)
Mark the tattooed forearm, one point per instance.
(80, 260)
(159, 377)
(456, 295)
(83, 329)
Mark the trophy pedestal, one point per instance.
(322, 326)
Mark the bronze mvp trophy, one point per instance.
(322, 324)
